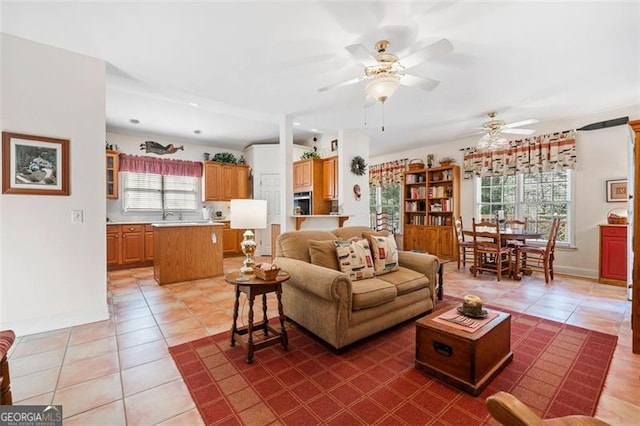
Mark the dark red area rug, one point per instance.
(557, 370)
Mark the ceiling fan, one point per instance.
(386, 71)
(493, 128)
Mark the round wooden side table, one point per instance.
(253, 287)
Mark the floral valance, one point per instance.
(536, 154)
(389, 173)
(146, 164)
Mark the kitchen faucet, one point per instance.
(165, 214)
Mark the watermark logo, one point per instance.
(30, 415)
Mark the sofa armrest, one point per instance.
(322, 282)
(424, 263)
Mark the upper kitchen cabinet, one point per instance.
(112, 174)
(306, 173)
(222, 182)
(330, 178)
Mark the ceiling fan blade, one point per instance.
(438, 48)
(520, 123)
(419, 82)
(604, 124)
(342, 84)
(517, 131)
(362, 55)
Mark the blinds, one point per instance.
(148, 192)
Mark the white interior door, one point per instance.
(269, 189)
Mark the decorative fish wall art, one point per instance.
(156, 148)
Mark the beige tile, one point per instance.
(44, 343)
(191, 418)
(143, 408)
(88, 369)
(34, 363)
(42, 399)
(30, 385)
(109, 414)
(90, 349)
(180, 327)
(89, 395)
(141, 354)
(139, 337)
(149, 375)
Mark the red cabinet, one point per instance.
(613, 254)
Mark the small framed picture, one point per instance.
(35, 165)
(617, 191)
(334, 145)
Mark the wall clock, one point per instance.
(358, 166)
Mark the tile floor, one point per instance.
(119, 371)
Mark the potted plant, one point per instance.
(309, 154)
(225, 157)
(447, 161)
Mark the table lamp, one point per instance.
(249, 215)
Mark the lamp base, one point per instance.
(248, 246)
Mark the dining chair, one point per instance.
(7, 337)
(488, 252)
(517, 225)
(465, 248)
(540, 258)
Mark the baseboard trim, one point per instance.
(55, 322)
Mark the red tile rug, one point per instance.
(557, 370)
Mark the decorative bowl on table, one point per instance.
(617, 216)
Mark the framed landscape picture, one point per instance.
(616, 190)
(34, 165)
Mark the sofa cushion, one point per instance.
(294, 244)
(385, 254)
(405, 280)
(372, 292)
(350, 231)
(323, 253)
(354, 258)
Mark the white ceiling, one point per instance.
(246, 64)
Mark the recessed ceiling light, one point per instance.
(193, 104)
(314, 130)
(197, 132)
(135, 121)
(296, 123)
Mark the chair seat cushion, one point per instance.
(532, 250)
(372, 292)
(405, 280)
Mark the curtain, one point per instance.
(146, 164)
(389, 173)
(536, 154)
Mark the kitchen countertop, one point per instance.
(161, 223)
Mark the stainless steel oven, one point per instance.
(302, 203)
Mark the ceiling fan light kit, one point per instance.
(493, 129)
(382, 87)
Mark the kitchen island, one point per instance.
(186, 251)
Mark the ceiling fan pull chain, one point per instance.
(364, 109)
(383, 116)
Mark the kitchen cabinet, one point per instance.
(148, 243)
(330, 178)
(303, 174)
(126, 246)
(186, 252)
(231, 239)
(222, 182)
(112, 174)
(613, 255)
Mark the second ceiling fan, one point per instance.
(386, 71)
(493, 129)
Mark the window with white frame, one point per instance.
(534, 197)
(386, 199)
(150, 192)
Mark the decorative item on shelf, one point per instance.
(266, 271)
(156, 148)
(241, 160)
(225, 157)
(205, 156)
(472, 307)
(248, 214)
(447, 161)
(617, 216)
(430, 160)
(358, 166)
(309, 154)
(416, 164)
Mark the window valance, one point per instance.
(389, 173)
(536, 154)
(146, 164)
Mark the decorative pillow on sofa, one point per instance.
(354, 258)
(385, 254)
(323, 253)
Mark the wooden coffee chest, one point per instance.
(466, 360)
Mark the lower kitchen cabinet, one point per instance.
(126, 246)
(231, 239)
(613, 255)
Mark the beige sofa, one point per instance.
(340, 311)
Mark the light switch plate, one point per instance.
(77, 216)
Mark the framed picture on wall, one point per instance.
(334, 145)
(617, 191)
(35, 165)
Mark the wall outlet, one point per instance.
(77, 216)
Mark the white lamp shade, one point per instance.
(248, 214)
(381, 88)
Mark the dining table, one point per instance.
(517, 235)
